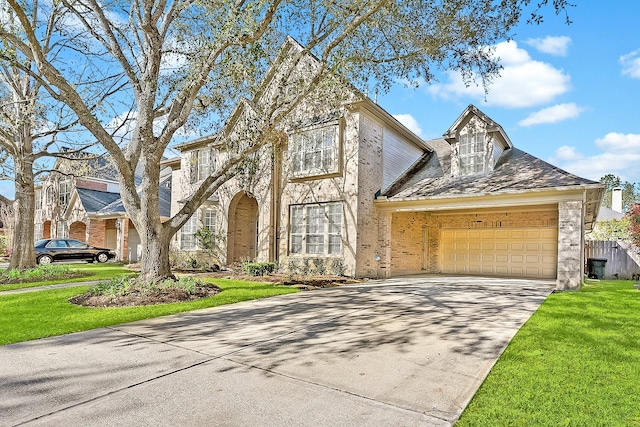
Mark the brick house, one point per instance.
(86, 206)
(354, 188)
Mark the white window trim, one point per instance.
(196, 222)
(187, 234)
(62, 230)
(474, 156)
(202, 164)
(328, 233)
(301, 148)
(63, 197)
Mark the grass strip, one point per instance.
(34, 315)
(576, 362)
(93, 271)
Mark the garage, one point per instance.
(514, 252)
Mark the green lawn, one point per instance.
(33, 315)
(96, 272)
(576, 362)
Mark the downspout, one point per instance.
(275, 204)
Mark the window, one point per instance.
(472, 151)
(49, 195)
(209, 219)
(202, 162)
(187, 234)
(38, 231)
(315, 151)
(63, 230)
(38, 200)
(316, 229)
(64, 193)
(188, 240)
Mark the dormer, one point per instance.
(476, 143)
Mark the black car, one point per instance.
(50, 250)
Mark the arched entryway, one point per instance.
(46, 230)
(242, 235)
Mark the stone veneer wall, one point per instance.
(570, 246)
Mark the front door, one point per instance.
(243, 229)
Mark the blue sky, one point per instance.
(567, 94)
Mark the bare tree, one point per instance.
(190, 63)
(30, 122)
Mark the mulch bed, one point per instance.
(137, 298)
(303, 282)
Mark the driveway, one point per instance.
(400, 352)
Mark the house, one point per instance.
(83, 202)
(351, 189)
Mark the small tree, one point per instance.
(633, 215)
(613, 229)
(210, 242)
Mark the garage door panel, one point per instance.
(525, 252)
(533, 246)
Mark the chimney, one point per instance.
(616, 199)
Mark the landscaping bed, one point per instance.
(300, 281)
(137, 297)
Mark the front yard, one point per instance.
(576, 362)
(33, 315)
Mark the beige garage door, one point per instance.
(519, 252)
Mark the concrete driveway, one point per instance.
(400, 352)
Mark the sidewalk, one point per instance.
(47, 287)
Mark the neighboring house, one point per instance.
(87, 206)
(353, 187)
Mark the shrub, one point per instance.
(292, 265)
(4, 248)
(123, 285)
(338, 267)
(189, 260)
(258, 268)
(306, 266)
(320, 266)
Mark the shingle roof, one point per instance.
(94, 200)
(515, 171)
(165, 204)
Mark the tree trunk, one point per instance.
(154, 237)
(23, 255)
(155, 256)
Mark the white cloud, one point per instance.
(410, 122)
(567, 153)
(557, 46)
(631, 64)
(620, 156)
(554, 114)
(523, 82)
(620, 142)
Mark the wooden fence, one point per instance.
(623, 258)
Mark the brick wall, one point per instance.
(78, 230)
(96, 233)
(91, 185)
